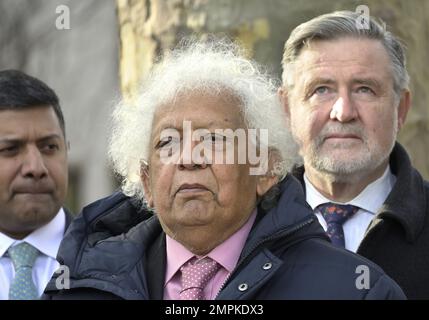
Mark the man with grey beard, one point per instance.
(345, 92)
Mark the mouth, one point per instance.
(191, 188)
(342, 136)
(33, 197)
(32, 194)
(32, 191)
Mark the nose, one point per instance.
(33, 165)
(343, 109)
(191, 158)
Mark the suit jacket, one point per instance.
(116, 250)
(398, 237)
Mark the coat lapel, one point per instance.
(155, 265)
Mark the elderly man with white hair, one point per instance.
(207, 208)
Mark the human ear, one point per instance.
(283, 94)
(265, 183)
(404, 107)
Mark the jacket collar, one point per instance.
(99, 254)
(290, 211)
(105, 253)
(407, 202)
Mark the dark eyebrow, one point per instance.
(12, 141)
(50, 137)
(20, 141)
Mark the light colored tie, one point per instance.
(22, 286)
(195, 276)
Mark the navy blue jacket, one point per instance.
(114, 250)
(398, 237)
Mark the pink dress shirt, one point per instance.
(226, 254)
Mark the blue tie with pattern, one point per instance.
(22, 286)
(335, 215)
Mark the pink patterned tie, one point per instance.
(195, 276)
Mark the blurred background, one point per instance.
(107, 46)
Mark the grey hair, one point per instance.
(212, 66)
(341, 24)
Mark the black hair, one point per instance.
(20, 91)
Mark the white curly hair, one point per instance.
(215, 66)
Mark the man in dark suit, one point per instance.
(345, 91)
(33, 184)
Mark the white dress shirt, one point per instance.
(369, 201)
(47, 240)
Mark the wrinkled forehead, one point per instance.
(202, 107)
(354, 55)
(344, 50)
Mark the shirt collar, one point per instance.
(370, 199)
(226, 254)
(5, 243)
(46, 239)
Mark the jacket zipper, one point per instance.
(278, 235)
